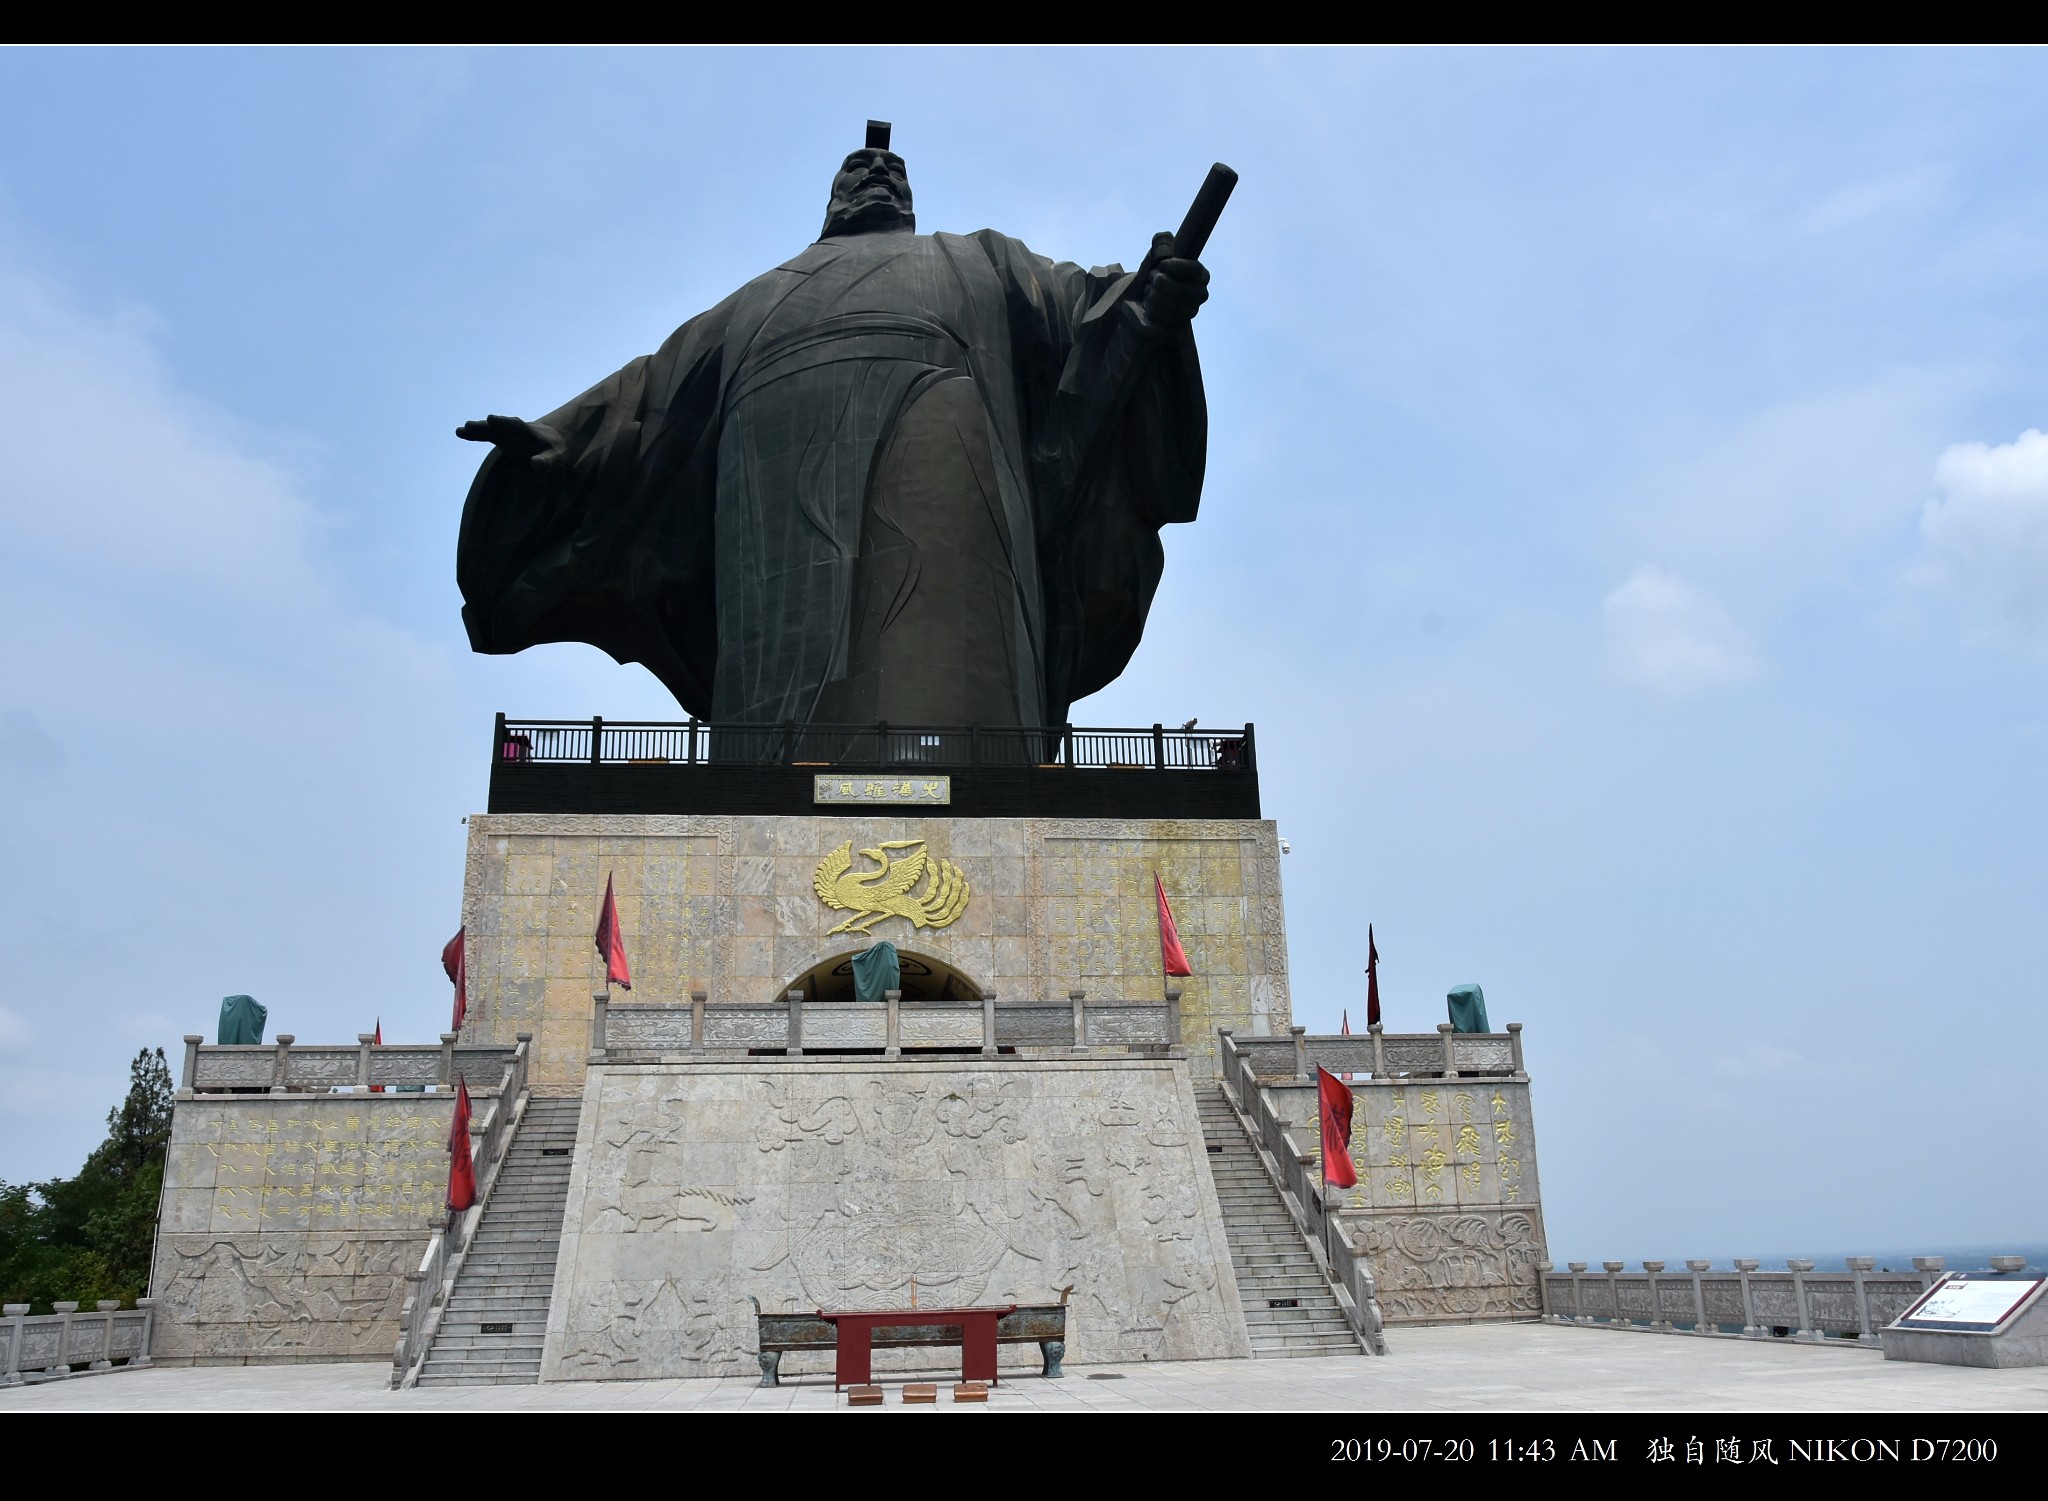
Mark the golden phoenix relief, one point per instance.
(889, 890)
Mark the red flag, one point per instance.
(1336, 1112)
(1345, 1030)
(454, 960)
(611, 947)
(461, 1166)
(378, 1042)
(1372, 979)
(1172, 957)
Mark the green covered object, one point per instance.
(1468, 1009)
(876, 972)
(241, 1019)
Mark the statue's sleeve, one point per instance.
(1117, 429)
(615, 547)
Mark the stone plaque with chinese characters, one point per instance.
(290, 1221)
(891, 791)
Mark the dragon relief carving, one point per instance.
(889, 889)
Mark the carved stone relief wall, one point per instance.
(1448, 1200)
(727, 906)
(838, 1186)
(289, 1224)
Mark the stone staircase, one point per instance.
(497, 1314)
(1289, 1307)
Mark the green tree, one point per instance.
(91, 1236)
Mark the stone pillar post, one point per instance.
(105, 1307)
(1579, 1314)
(600, 1004)
(1858, 1266)
(892, 1037)
(1173, 1037)
(16, 1315)
(1799, 1266)
(1615, 1318)
(448, 1060)
(796, 1024)
(988, 1025)
(1699, 1297)
(1657, 1319)
(363, 1044)
(1543, 1271)
(67, 1312)
(1450, 1057)
(1930, 1269)
(1750, 1327)
(192, 1041)
(282, 1069)
(1379, 1050)
(1300, 1035)
(697, 1000)
(1079, 998)
(147, 1308)
(1515, 1043)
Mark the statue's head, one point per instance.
(871, 193)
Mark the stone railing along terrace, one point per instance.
(794, 1027)
(1746, 1302)
(428, 1286)
(44, 1347)
(1383, 1055)
(284, 1067)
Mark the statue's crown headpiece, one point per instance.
(878, 135)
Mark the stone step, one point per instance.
(1267, 1252)
(508, 1276)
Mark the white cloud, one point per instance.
(1668, 635)
(1984, 541)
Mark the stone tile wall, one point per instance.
(726, 905)
(1448, 1200)
(290, 1221)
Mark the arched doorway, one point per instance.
(924, 979)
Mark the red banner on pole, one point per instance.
(461, 1165)
(1335, 1100)
(1372, 979)
(454, 960)
(611, 945)
(377, 1041)
(1172, 957)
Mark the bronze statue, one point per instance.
(902, 477)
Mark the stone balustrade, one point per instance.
(285, 1067)
(45, 1347)
(795, 1027)
(1745, 1302)
(1378, 1054)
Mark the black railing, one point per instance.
(617, 742)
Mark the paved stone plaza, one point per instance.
(1469, 1368)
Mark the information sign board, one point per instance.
(1970, 1303)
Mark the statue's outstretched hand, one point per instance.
(540, 445)
(1177, 286)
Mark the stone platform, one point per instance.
(849, 1183)
(1480, 1368)
(728, 906)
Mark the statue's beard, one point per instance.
(863, 214)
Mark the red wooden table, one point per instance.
(856, 1339)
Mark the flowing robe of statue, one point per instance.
(903, 477)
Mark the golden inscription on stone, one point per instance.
(888, 889)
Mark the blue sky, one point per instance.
(1627, 524)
